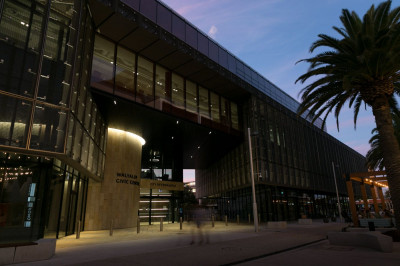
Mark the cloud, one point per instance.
(213, 31)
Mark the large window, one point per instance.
(191, 96)
(48, 130)
(103, 64)
(125, 71)
(141, 80)
(178, 93)
(14, 121)
(234, 116)
(145, 93)
(203, 102)
(163, 86)
(20, 31)
(214, 106)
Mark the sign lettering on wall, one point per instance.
(155, 184)
(128, 179)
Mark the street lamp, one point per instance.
(337, 192)
(255, 215)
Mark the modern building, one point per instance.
(103, 103)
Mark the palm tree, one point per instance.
(374, 155)
(361, 67)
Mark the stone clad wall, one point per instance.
(117, 196)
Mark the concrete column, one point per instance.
(117, 196)
(352, 202)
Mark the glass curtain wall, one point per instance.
(145, 82)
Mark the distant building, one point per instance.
(104, 103)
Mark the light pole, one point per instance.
(337, 192)
(253, 189)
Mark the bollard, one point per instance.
(237, 219)
(78, 230)
(111, 227)
(161, 224)
(249, 218)
(138, 225)
(226, 220)
(180, 223)
(212, 220)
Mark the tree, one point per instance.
(374, 155)
(361, 67)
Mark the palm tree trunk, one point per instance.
(390, 150)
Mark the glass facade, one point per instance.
(287, 153)
(28, 181)
(155, 86)
(43, 60)
(46, 107)
(162, 15)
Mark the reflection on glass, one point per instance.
(191, 96)
(76, 149)
(178, 93)
(103, 64)
(70, 136)
(214, 105)
(14, 121)
(55, 73)
(53, 202)
(145, 82)
(234, 116)
(19, 59)
(125, 71)
(203, 102)
(48, 129)
(85, 149)
(163, 86)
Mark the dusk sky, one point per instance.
(272, 35)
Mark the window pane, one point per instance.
(85, 149)
(145, 82)
(224, 111)
(178, 93)
(163, 86)
(191, 96)
(234, 116)
(214, 104)
(48, 130)
(203, 102)
(125, 71)
(76, 150)
(103, 64)
(56, 70)
(19, 59)
(68, 149)
(14, 121)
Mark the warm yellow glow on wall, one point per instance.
(130, 134)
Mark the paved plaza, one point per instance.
(221, 245)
